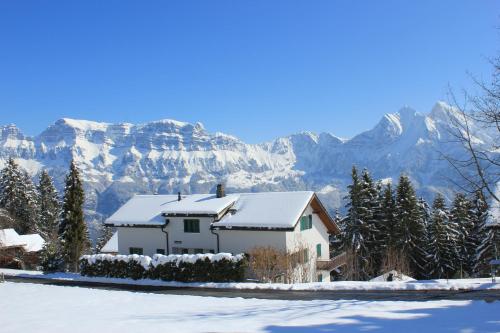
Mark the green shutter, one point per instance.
(310, 221)
(318, 250)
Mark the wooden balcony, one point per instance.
(330, 265)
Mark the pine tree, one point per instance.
(10, 197)
(443, 239)
(356, 231)
(488, 236)
(482, 236)
(370, 213)
(388, 236)
(50, 207)
(74, 235)
(19, 198)
(29, 209)
(460, 215)
(105, 235)
(410, 228)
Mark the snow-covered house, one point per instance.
(235, 223)
(19, 250)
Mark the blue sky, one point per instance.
(255, 69)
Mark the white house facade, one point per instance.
(235, 223)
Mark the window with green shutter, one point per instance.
(318, 250)
(306, 222)
(320, 277)
(192, 225)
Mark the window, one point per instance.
(318, 250)
(306, 222)
(305, 256)
(198, 251)
(192, 226)
(320, 277)
(135, 250)
(160, 251)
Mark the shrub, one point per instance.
(221, 267)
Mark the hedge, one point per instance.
(221, 267)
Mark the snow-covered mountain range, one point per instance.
(165, 156)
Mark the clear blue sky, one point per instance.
(255, 69)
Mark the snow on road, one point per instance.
(28, 307)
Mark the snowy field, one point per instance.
(26, 307)
(452, 284)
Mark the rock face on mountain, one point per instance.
(118, 160)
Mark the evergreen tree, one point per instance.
(10, 197)
(370, 213)
(488, 236)
(443, 238)
(410, 229)
(356, 231)
(74, 235)
(50, 208)
(51, 258)
(29, 210)
(105, 234)
(388, 235)
(460, 216)
(19, 198)
(425, 218)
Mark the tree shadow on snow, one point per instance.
(476, 316)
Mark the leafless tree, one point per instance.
(479, 169)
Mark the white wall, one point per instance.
(149, 239)
(242, 241)
(203, 240)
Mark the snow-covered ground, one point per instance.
(26, 307)
(452, 284)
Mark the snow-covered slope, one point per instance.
(165, 156)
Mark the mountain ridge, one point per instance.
(166, 156)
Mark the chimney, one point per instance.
(220, 191)
(179, 196)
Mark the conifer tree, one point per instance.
(388, 219)
(105, 234)
(410, 228)
(10, 187)
(356, 231)
(482, 235)
(443, 237)
(74, 235)
(488, 236)
(370, 211)
(19, 198)
(460, 216)
(50, 207)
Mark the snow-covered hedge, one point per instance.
(220, 267)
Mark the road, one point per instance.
(387, 295)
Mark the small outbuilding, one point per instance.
(19, 251)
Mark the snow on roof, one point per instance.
(112, 245)
(148, 209)
(266, 210)
(34, 242)
(10, 238)
(30, 243)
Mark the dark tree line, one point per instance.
(389, 228)
(30, 208)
